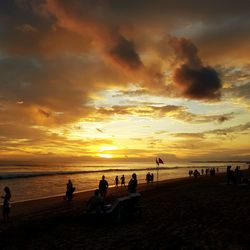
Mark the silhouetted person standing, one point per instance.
(70, 190)
(103, 187)
(230, 175)
(132, 185)
(116, 181)
(152, 177)
(6, 204)
(148, 177)
(123, 180)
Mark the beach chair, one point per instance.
(124, 208)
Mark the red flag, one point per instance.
(161, 161)
(157, 162)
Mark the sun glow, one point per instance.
(107, 147)
(106, 155)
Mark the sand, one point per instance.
(187, 213)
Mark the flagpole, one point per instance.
(157, 171)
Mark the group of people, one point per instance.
(96, 202)
(234, 176)
(208, 171)
(122, 181)
(132, 185)
(149, 177)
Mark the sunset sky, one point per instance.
(88, 80)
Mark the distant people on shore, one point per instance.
(103, 187)
(196, 173)
(148, 177)
(6, 204)
(238, 175)
(70, 189)
(230, 175)
(207, 170)
(152, 177)
(132, 185)
(95, 203)
(212, 171)
(190, 173)
(116, 181)
(123, 180)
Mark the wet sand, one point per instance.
(187, 213)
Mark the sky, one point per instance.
(119, 80)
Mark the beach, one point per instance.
(184, 213)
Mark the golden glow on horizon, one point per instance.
(109, 156)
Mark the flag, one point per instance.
(157, 162)
(161, 161)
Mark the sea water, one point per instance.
(35, 181)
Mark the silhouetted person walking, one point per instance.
(6, 204)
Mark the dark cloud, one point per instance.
(125, 54)
(194, 80)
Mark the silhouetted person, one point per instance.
(103, 187)
(238, 175)
(116, 181)
(132, 185)
(196, 173)
(152, 177)
(207, 170)
(123, 180)
(70, 190)
(190, 172)
(202, 172)
(6, 204)
(148, 177)
(95, 203)
(212, 172)
(217, 170)
(230, 175)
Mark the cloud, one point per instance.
(125, 54)
(194, 80)
(157, 112)
(223, 132)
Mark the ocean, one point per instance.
(29, 182)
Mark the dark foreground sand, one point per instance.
(188, 213)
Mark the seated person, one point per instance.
(95, 203)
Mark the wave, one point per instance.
(17, 175)
(4, 176)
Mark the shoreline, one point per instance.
(31, 207)
(111, 187)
